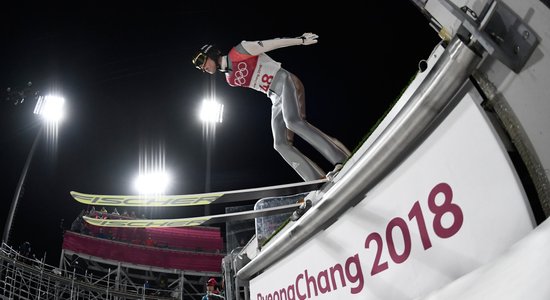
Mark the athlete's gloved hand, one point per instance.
(309, 38)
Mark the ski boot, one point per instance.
(307, 202)
(330, 175)
(297, 214)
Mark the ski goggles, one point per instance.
(200, 60)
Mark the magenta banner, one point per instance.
(143, 255)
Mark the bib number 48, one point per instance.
(266, 79)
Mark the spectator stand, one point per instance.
(174, 261)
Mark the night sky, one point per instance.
(129, 85)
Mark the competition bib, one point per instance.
(251, 71)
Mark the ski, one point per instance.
(198, 199)
(193, 221)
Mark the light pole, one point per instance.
(51, 109)
(211, 113)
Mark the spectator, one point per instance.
(212, 291)
(146, 286)
(149, 242)
(78, 264)
(103, 213)
(62, 225)
(78, 223)
(92, 213)
(25, 252)
(76, 226)
(162, 285)
(25, 249)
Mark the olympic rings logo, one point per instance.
(241, 74)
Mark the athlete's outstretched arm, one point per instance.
(257, 47)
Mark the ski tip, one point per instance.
(76, 194)
(80, 197)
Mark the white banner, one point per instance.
(453, 205)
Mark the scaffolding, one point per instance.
(29, 278)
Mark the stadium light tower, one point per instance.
(50, 108)
(152, 183)
(210, 114)
(211, 111)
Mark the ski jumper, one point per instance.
(247, 65)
